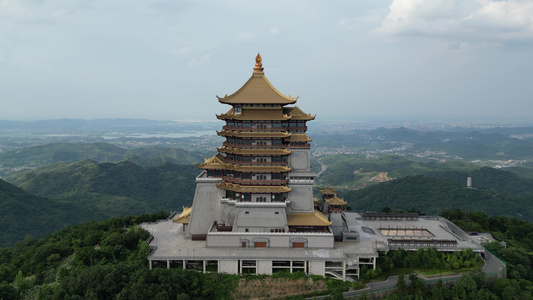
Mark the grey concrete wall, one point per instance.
(279, 240)
(228, 266)
(317, 268)
(205, 207)
(264, 267)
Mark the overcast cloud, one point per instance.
(168, 59)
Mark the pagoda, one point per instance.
(254, 211)
(260, 181)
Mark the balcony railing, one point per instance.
(258, 163)
(256, 181)
(251, 146)
(225, 127)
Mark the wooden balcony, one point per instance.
(225, 127)
(255, 181)
(235, 145)
(258, 163)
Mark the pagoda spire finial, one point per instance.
(258, 69)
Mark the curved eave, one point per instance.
(184, 217)
(255, 115)
(254, 151)
(335, 201)
(303, 118)
(213, 163)
(253, 188)
(328, 191)
(307, 219)
(257, 90)
(300, 138)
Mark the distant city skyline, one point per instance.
(167, 60)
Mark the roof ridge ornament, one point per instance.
(258, 69)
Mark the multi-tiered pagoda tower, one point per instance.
(260, 181)
(254, 210)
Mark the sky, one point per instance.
(346, 60)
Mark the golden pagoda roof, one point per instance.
(266, 169)
(328, 191)
(280, 134)
(299, 138)
(215, 162)
(255, 115)
(297, 114)
(315, 218)
(335, 201)
(254, 151)
(254, 188)
(183, 218)
(257, 90)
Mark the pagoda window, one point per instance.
(246, 158)
(276, 159)
(276, 125)
(237, 158)
(246, 176)
(238, 124)
(210, 173)
(276, 142)
(231, 124)
(276, 197)
(293, 124)
(237, 109)
(276, 176)
(230, 157)
(285, 125)
(231, 140)
(301, 124)
(246, 197)
(218, 173)
(247, 142)
(237, 174)
(246, 125)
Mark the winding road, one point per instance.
(493, 266)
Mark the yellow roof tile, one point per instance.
(336, 201)
(257, 90)
(315, 218)
(297, 114)
(328, 191)
(255, 115)
(299, 138)
(183, 218)
(215, 162)
(253, 188)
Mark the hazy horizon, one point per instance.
(407, 60)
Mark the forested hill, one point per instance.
(123, 188)
(87, 190)
(22, 213)
(432, 195)
(42, 155)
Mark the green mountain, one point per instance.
(432, 195)
(87, 190)
(123, 188)
(43, 155)
(22, 213)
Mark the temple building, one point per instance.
(254, 210)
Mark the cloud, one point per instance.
(245, 35)
(200, 61)
(465, 20)
(274, 31)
